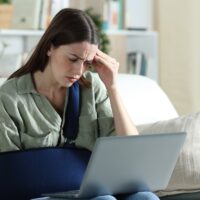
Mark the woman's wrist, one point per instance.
(112, 90)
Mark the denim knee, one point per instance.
(105, 197)
(142, 196)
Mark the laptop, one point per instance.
(128, 164)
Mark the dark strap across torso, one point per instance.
(70, 129)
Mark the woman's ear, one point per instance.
(50, 50)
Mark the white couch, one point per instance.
(2, 79)
(145, 101)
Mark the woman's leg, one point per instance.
(139, 196)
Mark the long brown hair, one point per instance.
(67, 27)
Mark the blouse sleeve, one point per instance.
(104, 111)
(9, 136)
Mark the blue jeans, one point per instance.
(135, 196)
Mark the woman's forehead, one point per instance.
(82, 49)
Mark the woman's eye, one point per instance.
(88, 64)
(73, 60)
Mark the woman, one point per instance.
(34, 102)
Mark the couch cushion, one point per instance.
(186, 175)
(144, 99)
(2, 80)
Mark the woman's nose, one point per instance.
(79, 68)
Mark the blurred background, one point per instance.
(154, 38)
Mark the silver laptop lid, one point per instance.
(123, 164)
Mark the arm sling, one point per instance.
(28, 174)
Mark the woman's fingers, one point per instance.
(105, 59)
(101, 53)
(107, 68)
(101, 60)
(105, 56)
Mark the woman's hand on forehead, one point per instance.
(107, 68)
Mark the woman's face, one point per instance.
(69, 62)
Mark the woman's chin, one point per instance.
(69, 84)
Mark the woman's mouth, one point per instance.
(71, 79)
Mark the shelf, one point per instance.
(128, 41)
(22, 32)
(130, 32)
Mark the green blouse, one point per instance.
(28, 120)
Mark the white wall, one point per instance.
(178, 24)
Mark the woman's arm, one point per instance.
(107, 68)
(9, 136)
(123, 123)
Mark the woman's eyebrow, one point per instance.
(89, 61)
(77, 56)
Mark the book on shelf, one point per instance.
(113, 14)
(45, 14)
(137, 63)
(6, 11)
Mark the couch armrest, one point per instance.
(144, 99)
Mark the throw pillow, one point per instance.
(186, 175)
